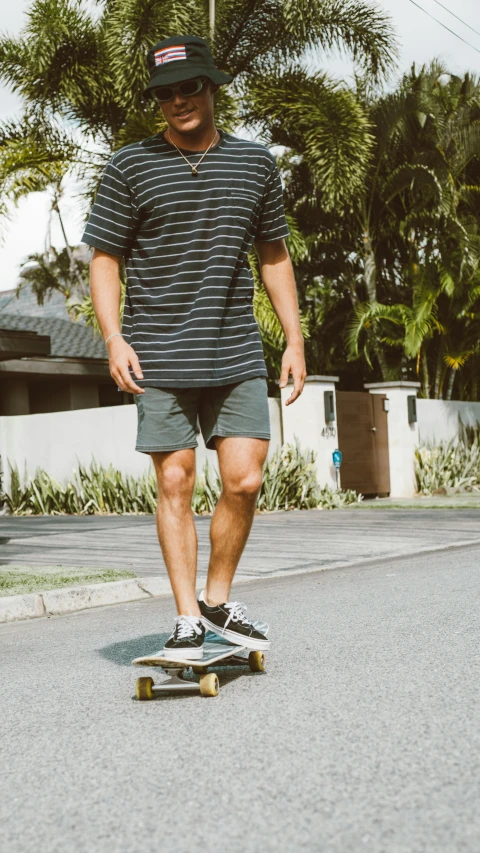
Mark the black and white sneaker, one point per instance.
(229, 621)
(186, 640)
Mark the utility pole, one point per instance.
(211, 10)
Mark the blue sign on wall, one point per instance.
(337, 458)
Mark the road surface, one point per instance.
(363, 735)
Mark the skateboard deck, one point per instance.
(216, 650)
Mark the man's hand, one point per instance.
(293, 362)
(277, 276)
(121, 357)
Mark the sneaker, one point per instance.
(229, 621)
(186, 640)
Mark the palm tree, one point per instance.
(351, 206)
(377, 262)
(63, 272)
(435, 318)
(81, 77)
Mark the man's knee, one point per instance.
(246, 485)
(175, 479)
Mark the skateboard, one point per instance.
(216, 650)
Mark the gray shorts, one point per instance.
(167, 417)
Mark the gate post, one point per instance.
(402, 435)
(307, 419)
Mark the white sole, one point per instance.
(232, 637)
(182, 654)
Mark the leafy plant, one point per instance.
(390, 283)
(448, 466)
(47, 272)
(289, 482)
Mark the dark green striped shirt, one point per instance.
(185, 239)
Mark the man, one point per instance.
(183, 209)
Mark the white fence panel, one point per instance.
(439, 420)
(58, 441)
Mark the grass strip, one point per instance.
(18, 580)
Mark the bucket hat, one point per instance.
(179, 58)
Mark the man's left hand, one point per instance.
(293, 362)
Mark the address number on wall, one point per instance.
(329, 432)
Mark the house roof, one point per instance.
(67, 340)
(26, 304)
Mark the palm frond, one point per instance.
(320, 119)
(253, 36)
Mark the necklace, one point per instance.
(193, 166)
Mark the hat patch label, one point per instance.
(170, 54)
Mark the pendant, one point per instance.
(194, 170)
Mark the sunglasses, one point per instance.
(187, 88)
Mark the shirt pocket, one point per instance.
(246, 196)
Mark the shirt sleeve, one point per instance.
(112, 222)
(272, 224)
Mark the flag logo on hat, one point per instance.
(170, 54)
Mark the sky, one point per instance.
(421, 39)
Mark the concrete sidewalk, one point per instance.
(280, 542)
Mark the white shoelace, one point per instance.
(186, 627)
(237, 613)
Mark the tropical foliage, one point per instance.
(289, 482)
(81, 73)
(391, 279)
(448, 466)
(382, 187)
(51, 271)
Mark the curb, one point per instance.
(56, 602)
(60, 602)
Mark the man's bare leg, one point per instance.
(175, 526)
(240, 462)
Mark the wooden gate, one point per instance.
(363, 439)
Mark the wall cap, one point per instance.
(319, 379)
(400, 384)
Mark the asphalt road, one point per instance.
(363, 735)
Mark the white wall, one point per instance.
(438, 420)
(305, 420)
(58, 441)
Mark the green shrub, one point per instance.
(289, 482)
(448, 466)
(91, 491)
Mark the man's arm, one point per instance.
(277, 275)
(105, 288)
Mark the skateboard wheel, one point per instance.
(144, 688)
(209, 684)
(199, 670)
(256, 661)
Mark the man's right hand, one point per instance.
(122, 356)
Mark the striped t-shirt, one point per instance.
(185, 239)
